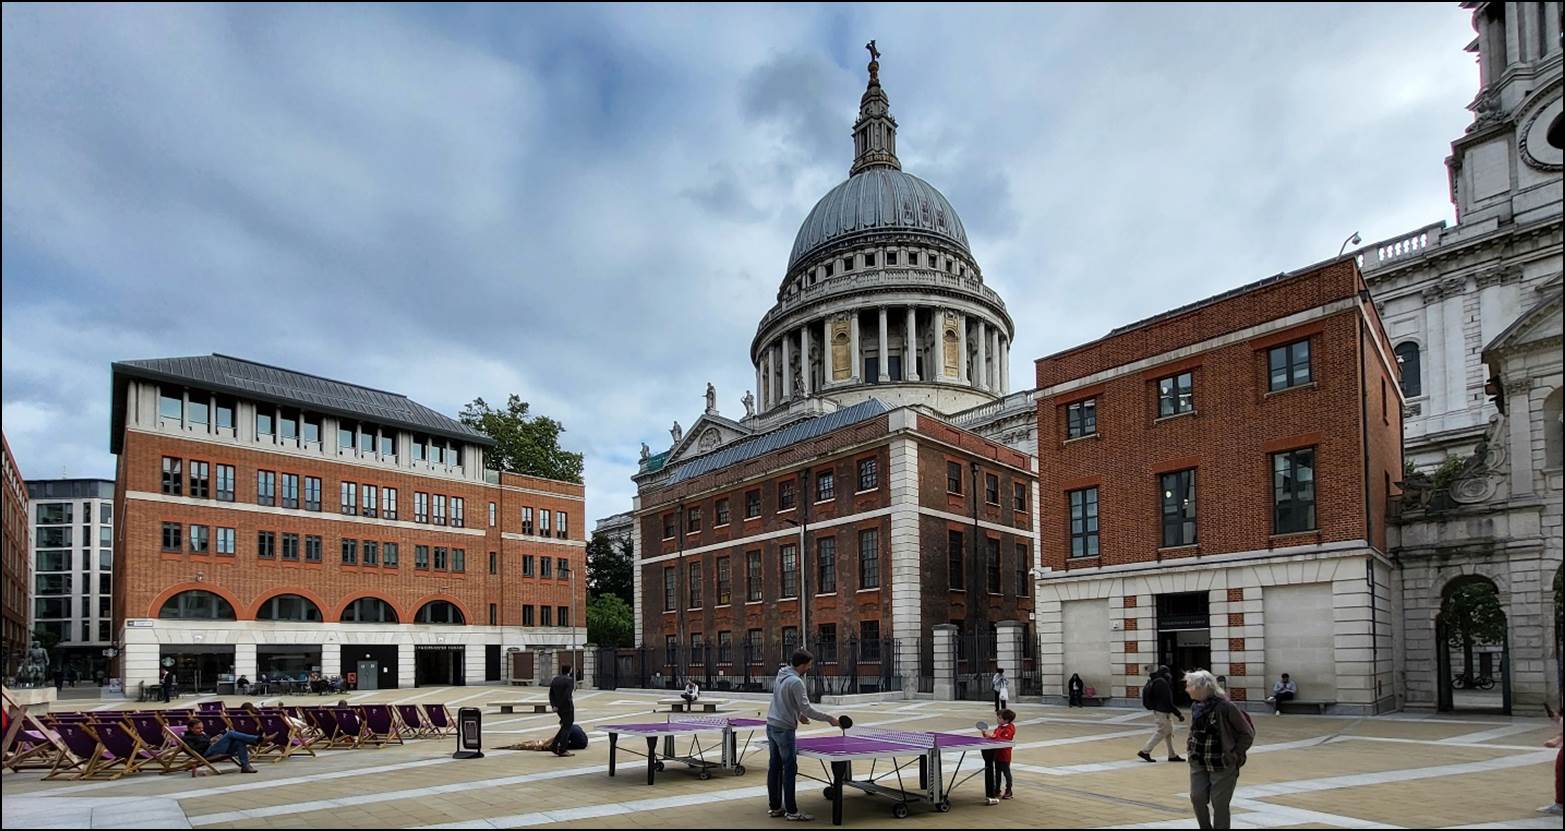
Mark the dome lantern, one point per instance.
(875, 131)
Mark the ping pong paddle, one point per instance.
(983, 726)
(844, 722)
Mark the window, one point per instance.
(58, 513)
(693, 572)
(1412, 372)
(171, 405)
(826, 643)
(440, 508)
(693, 520)
(369, 500)
(953, 478)
(225, 413)
(369, 610)
(265, 487)
(722, 512)
(1084, 522)
(752, 504)
(442, 557)
(544, 567)
(527, 523)
(527, 615)
(1023, 571)
(225, 483)
(196, 605)
(1288, 365)
(312, 549)
(562, 616)
(388, 503)
(869, 474)
(826, 565)
(345, 435)
(825, 486)
(724, 582)
(1019, 496)
(991, 489)
(559, 525)
(784, 495)
(491, 514)
(869, 640)
(225, 541)
(956, 556)
(1178, 495)
(869, 559)
(350, 552)
(173, 536)
(348, 498)
(420, 507)
(527, 565)
(371, 552)
(992, 562)
(200, 480)
(1175, 395)
(312, 428)
(494, 614)
(367, 438)
(291, 547)
(789, 555)
(669, 588)
(388, 555)
(543, 522)
(199, 541)
(421, 556)
(266, 545)
(752, 575)
(290, 490)
(388, 444)
(440, 611)
(562, 568)
(545, 616)
(264, 421)
(459, 559)
(790, 640)
(1081, 419)
(1293, 484)
(725, 647)
(891, 258)
(494, 563)
(54, 537)
(754, 646)
(173, 478)
(458, 512)
(288, 424)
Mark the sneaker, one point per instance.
(798, 816)
(1176, 758)
(1554, 809)
(991, 801)
(1145, 756)
(1007, 794)
(1276, 712)
(775, 812)
(248, 770)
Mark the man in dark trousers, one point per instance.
(1158, 696)
(561, 690)
(167, 683)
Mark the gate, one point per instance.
(1483, 687)
(975, 666)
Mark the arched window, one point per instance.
(1554, 430)
(1412, 374)
(196, 605)
(440, 611)
(289, 607)
(369, 610)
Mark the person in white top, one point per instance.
(1002, 690)
(691, 693)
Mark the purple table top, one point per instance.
(658, 728)
(897, 744)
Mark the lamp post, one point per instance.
(804, 571)
(1351, 240)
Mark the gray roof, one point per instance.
(248, 379)
(878, 199)
(778, 439)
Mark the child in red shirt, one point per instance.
(1004, 731)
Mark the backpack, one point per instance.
(1146, 694)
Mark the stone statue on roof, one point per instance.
(749, 404)
(677, 432)
(646, 452)
(711, 399)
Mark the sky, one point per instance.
(592, 206)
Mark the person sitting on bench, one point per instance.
(1283, 690)
(692, 692)
(232, 743)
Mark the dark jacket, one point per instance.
(1162, 696)
(1235, 732)
(199, 742)
(560, 691)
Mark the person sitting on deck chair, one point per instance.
(232, 743)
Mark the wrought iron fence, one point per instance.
(846, 668)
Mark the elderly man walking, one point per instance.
(1220, 736)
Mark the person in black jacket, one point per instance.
(1077, 689)
(561, 690)
(1158, 697)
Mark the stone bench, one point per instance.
(702, 705)
(1296, 706)
(508, 707)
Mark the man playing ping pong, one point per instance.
(790, 708)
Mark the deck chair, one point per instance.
(281, 738)
(28, 743)
(380, 722)
(85, 754)
(211, 706)
(185, 759)
(439, 719)
(124, 749)
(412, 721)
(351, 729)
(149, 728)
(216, 723)
(325, 721)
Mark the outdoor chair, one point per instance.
(83, 753)
(281, 739)
(414, 725)
(351, 729)
(183, 758)
(149, 728)
(439, 719)
(125, 752)
(380, 724)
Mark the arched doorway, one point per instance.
(1472, 648)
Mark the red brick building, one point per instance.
(1215, 479)
(277, 522)
(889, 522)
(18, 570)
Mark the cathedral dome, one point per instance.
(877, 200)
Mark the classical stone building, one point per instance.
(1468, 308)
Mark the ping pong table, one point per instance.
(903, 749)
(731, 757)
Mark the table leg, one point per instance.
(923, 773)
(613, 745)
(652, 758)
(839, 775)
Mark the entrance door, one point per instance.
(1183, 637)
(1472, 647)
(368, 676)
(492, 662)
(439, 666)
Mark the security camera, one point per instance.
(1041, 571)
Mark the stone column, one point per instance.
(826, 348)
(405, 666)
(331, 660)
(763, 384)
(945, 662)
(804, 359)
(994, 359)
(853, 349)
(981, 372)
(910, 345)
(961, 347)
(588, 672)
(1009, 638)
(1519, 442)
(244, 661)
(473, 670)
(787, 368)
(1005, 368)
(885, 354)
(760, 397)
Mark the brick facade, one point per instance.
(18, 578)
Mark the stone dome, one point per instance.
(878, 200)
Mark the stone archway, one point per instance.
(1472, 646)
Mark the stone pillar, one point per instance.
(826, 348)
(760, 397)
(885, 353)
(588, 671)
(787, 368)
(244, 661)
(994, 359)
(961, 347)
(763, 385)
(1519, 442)
(1009, 635)
(910, 345)
(981, 372)
(853, 350)
(473, 664)
(1005, 368)
(331, 659)
(804, 359)
(945, 662)
(406, 670)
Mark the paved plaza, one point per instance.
(1074, 768)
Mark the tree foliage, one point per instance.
(609, 622)
(1472, 615)
(524, 444)
(609, 568)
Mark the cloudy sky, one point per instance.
(592, 206)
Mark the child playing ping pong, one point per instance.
(1004, 731)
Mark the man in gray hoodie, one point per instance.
(790, 708)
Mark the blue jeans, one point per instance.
(781, 770)
(235, 744)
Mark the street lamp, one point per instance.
(1352, 240)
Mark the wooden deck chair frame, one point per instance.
(39, 754)
(185, 759)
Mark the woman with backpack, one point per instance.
(1220, 736)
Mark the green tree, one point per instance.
(523, 444)
(1472, 615)
(609, 568)
(609, 622)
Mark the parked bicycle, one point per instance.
(1463, 681)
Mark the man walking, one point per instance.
(561, 697)
(790, 708)
(1002, 690)
(1158, 697)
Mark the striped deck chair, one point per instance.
(351, 729)
(412, 721)
(439, 719)
(84, 753)
(280, 735)
(185, 758)
(380, 724)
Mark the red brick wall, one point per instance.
(17, 560)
